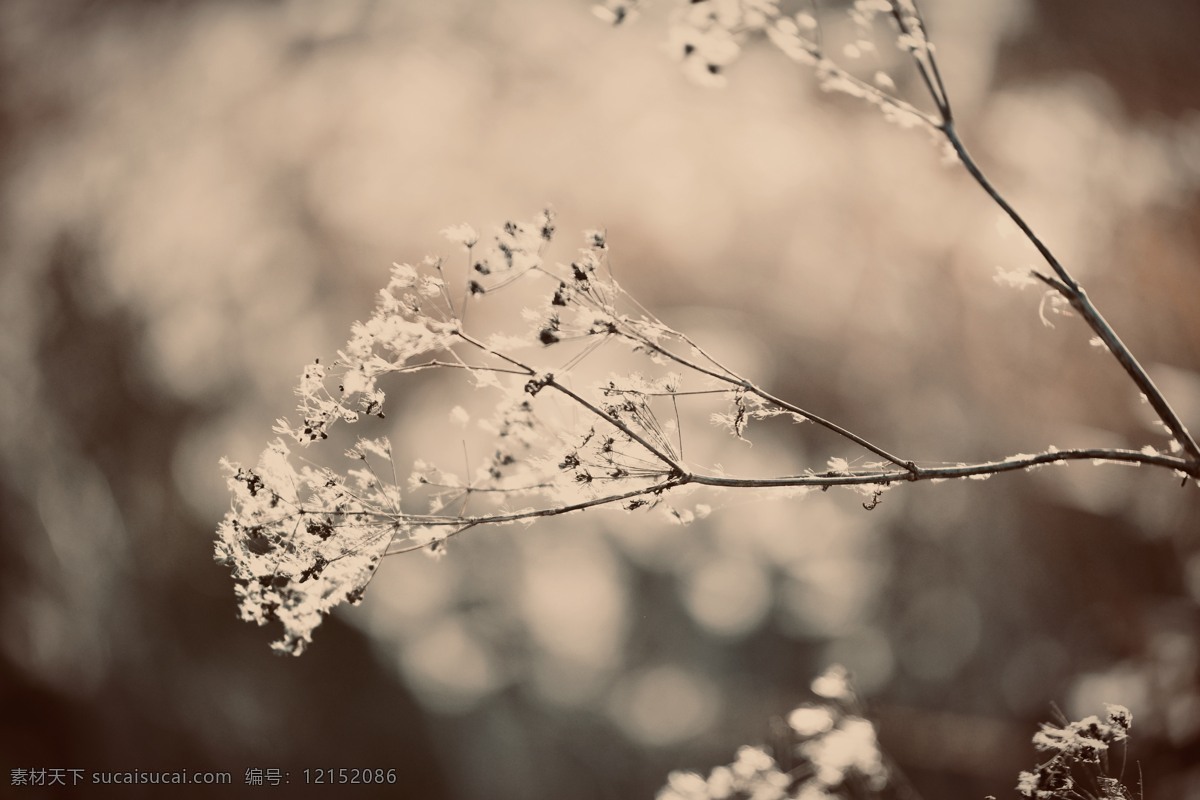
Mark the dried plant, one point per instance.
(1082, 759)
(566, 434)
(302, 539)
(825, 748)
(828, 749)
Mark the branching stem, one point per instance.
(1073, 292)
(738, 381)
(880, 477)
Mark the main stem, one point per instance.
(1063, 282)
(1069, 288)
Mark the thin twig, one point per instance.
(734, 379)
(1069, 288)
(880, 477)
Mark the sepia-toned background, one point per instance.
(200, 197)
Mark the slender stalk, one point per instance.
(1070, 288)
(879, 477)
(1065, 284)
(951, 134)
(958, 471)
(676, 469)
(740, 382)
(553, 511)
(549, 381)
(882, 477)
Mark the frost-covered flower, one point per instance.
(785, 33)
(833, 683)
(1027, 783)
(810, 720)
(1079, 756)
(851, 748)
(704, 53)
(300, 542)
(461, 234)
(813, 790)
(1121, 720)
(704, 36)
(615, 12)
(683, 785)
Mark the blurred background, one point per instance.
(199, 197)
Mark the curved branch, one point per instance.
(1066, 284)
(881, 477)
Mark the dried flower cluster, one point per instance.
(1081, 761)
(301, 540)
(708, 35)
(830, 750)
